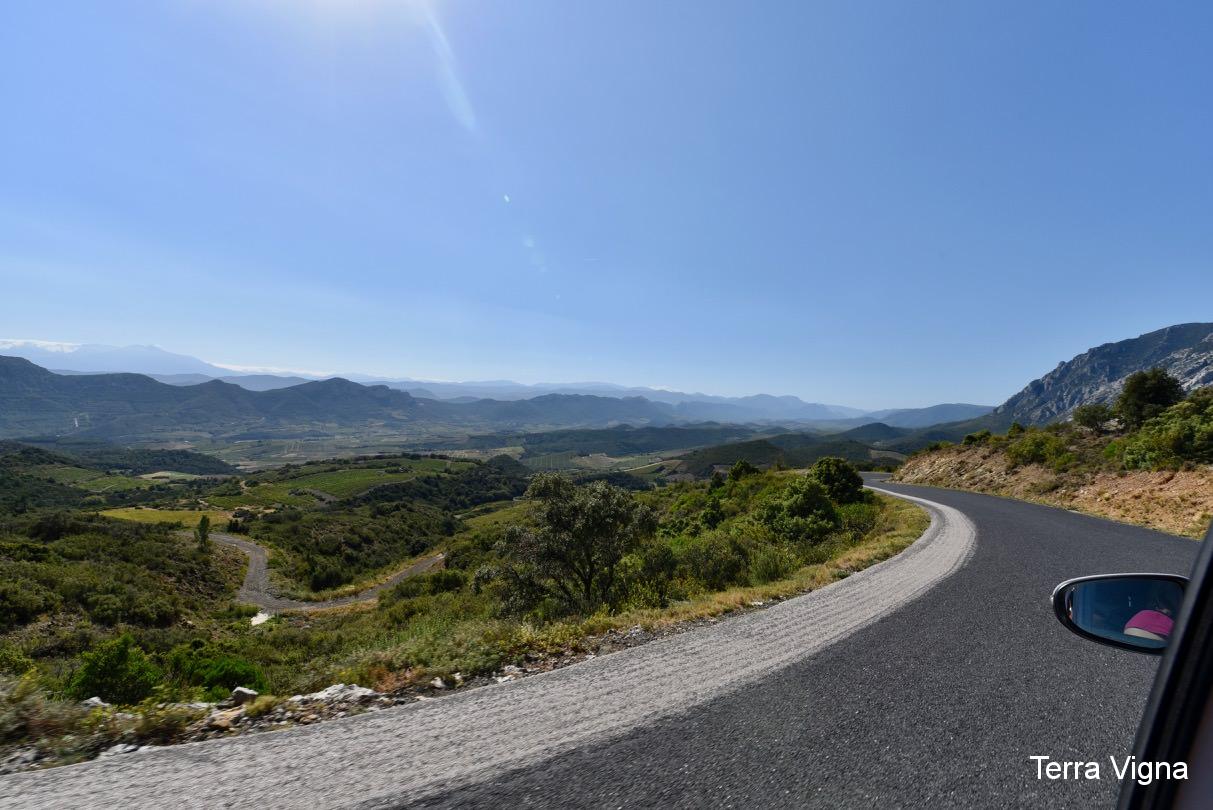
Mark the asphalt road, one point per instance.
(940, 704)
(925, 681)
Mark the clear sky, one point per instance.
(874, 204)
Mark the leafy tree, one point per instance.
(717, 480)
(1016, 429)
(1147, 394)
(1092, 416)
(203, 534)
(980, 437)
(117, 671)
(740, 469)
(583, 532)
(842, 483)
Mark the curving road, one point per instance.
(255, 590)
(925, 681)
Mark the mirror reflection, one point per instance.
(1135, 611)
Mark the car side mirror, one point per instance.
(1130, 611)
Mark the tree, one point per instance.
(583, 532)
(1092, 416)
(202, 533)
(740, 469)
(1145, 395)
(842, 483)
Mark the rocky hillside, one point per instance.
(1097, 375)
(1174, 501)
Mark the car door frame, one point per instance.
(1183, 689)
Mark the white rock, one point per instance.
(340, 693)
(242, 695)
(438, 683)
(94, 703)
(510, 669)
(120, 748)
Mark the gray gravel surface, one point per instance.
(452, 750)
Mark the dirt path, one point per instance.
(256, 587)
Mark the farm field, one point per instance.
(89, 480)
(186, 517)
(297, 487)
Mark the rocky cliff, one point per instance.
(1097, 375)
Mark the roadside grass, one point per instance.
(900, 524)
(187, 517)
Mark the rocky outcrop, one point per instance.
(1097, 375)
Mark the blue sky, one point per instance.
(875, 204)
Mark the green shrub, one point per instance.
(22, 601)
(1147, 394)
(840, 480)
(1038, 447)
(980, 437)
(1181, 434)
(802, 513)
(715, 560)
(200, 664)
(771, 564)
(117, 671)
(13, 661)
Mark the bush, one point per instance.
(1182, 434)
(1092, 416)
(802, 513)
(980, 437)
(714, 560)
(842, 483)
(22, 601)
(1147, 394)
(1039, 447)
(199, 664)
(117, 671)
(772, 564)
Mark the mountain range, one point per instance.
(184, 370)
(34, 400)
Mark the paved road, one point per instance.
(939, 705)
(925, 681)
(256, 587)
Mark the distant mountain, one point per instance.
(96, 358)
(249, 382)
(1097, 375)
(755, 407)
(180, 369)
(34, 401)
(932, 415)
(873, 433)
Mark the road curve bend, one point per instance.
(433, 748)
(255, 590)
